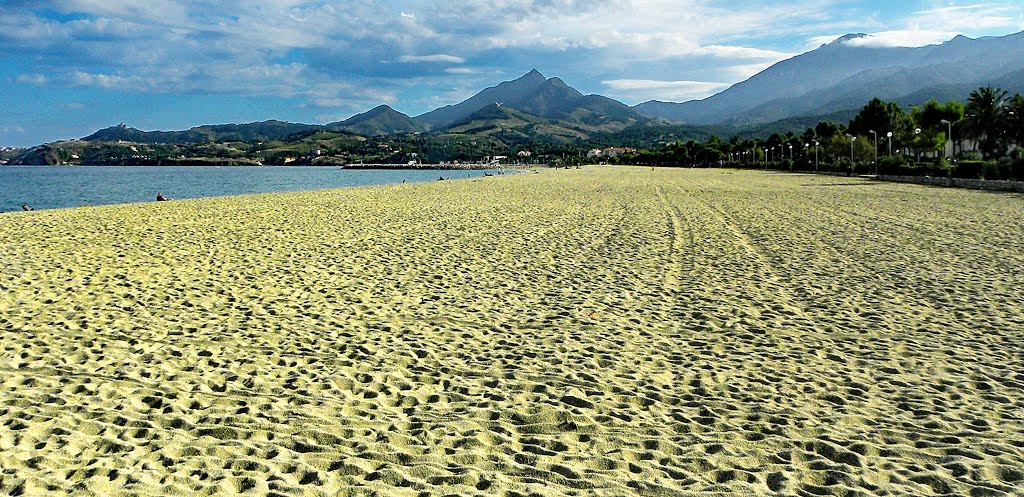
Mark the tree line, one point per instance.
(982, 137)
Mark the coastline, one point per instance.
(207, 162)
(447, 166)
(603, 330)
(48, 187)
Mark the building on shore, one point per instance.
(609, 152)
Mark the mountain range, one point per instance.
(834, 80)
(531, 101)
(847, 73)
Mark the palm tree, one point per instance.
(985, 119)
(1015, 119)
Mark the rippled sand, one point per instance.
(584, 332)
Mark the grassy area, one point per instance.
(614, 331)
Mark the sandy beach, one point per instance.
(602, 331)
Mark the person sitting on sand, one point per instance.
(25, 207)
(160, 197)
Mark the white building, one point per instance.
(610, 152)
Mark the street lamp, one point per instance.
(949, 132)
(889, 136)
(917, 143)
(852, 140)
(815, 155)
(791, 152)
(876, 146)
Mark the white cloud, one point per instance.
(164, 11)
(345, 96)
(902, 38)
(645, 89)
(109, 81)
(735, 52)
(937, 25)
(961, 18)
(32, 79)
(817, 41)
(330, 52)
(328, 102)
(432, 58)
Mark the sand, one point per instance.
(603, 331)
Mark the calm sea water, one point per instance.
(51, 187)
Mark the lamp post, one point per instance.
(917, 143)
(876, 146)
(889, 136)
(949, 133)
(791, 152)
(852, 140)
(815, 155)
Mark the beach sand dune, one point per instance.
(604, 331)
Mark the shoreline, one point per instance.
(247, 164)
(171, 192)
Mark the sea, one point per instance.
(54, 187)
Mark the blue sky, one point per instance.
(69, 67)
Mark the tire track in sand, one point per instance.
(681, 249)
(761, 273)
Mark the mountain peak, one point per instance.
(507, 92)
(534, 76)
(845, 39)
(380, 109)
(378, 121)
(557, 82)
